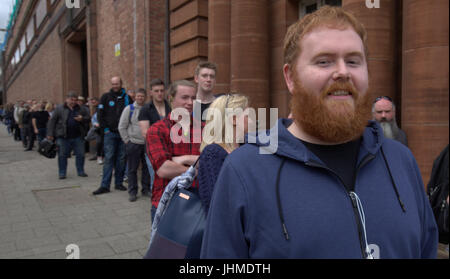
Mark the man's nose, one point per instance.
(342, 71)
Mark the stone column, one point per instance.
(249, 50)
(382, 32)
(219, 41)
(425, 113)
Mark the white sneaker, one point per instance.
(99, 161)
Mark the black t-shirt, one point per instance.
(73, 126)
(41, 118)
(204, 107)
(149, 113)
(26, 120)
(341, 158)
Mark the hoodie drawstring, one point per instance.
(393, 182)
(280, 210)
(362, 218)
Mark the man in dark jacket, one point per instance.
(327, 184)
(68, 125)
(110, 109)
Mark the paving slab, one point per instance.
(40, 215)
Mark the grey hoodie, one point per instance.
(129, 129)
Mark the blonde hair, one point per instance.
(327, 16)
(221, 104)
(49, 106)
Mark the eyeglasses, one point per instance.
(383, 97)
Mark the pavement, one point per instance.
(41, 215)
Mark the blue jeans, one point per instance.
(114, 149)
(65, 146)
(153, 213)
(42, 134)
(150, 171)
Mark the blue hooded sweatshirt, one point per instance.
(290, 205)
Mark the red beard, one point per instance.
(331, 121)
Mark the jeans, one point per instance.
(99, 145)
(153, 213)
(150, 171)
(42, 134)
(114, 149)
(65, 147)
(136, 157)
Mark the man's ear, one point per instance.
(196, 78)
(287, 72)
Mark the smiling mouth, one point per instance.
(340, 93)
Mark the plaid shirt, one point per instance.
(160, 148)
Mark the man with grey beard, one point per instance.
(383, 111)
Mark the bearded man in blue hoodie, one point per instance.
(334, 187)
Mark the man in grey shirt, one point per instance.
(131, 135)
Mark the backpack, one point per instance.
(47, 148)
(131, 111)
(438, 193)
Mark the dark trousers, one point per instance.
(135, 156)
(16, 131)
(23, 136)
(30, 137)
(99, 145)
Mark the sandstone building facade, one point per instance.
(53, 49)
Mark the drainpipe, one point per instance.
(145, 44)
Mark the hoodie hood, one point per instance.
(280, 141)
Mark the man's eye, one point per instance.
(353, 62)
(323, 62)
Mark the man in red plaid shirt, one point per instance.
(172, 152)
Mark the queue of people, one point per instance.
(341, 182)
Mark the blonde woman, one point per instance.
(49, 107)
(227, 123)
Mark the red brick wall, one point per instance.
(142, 46)
(42, 77)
